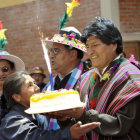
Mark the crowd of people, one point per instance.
(109, 85)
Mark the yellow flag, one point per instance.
(2, 34)
(70, 7)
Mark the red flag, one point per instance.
(0, 25)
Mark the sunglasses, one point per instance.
(4, 69)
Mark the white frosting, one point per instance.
(70, 99)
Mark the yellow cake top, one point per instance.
(51, 94)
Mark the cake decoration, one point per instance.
(51, 94)
(45, 51)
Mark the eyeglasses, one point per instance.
(4, 69)
(55, 51)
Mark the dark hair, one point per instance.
(77, 36)
(80, 54)
(12, 65)
(123, 54)
(106, 31)
(11, 85)
(88, 63)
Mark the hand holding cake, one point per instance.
(30, 126)
(74, 113)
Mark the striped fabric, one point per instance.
(53, 125)
(84, 84)
(115, 82)
(76, 74)
(129, 91)
(126, 80)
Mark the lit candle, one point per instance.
(48, 63)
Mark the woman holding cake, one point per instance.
(16, 124)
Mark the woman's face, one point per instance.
(27, 90)
(5, 71)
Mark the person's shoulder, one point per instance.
(129, 71)
(87, 74)
(129, 66)
(11, 117)
(17, 112)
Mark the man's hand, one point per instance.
(78, 129)
(74, 113)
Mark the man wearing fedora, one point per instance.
(65, 52)
(38, 75)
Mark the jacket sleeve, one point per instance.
(118, 125)
(19, 128)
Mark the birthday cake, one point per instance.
(54, 101)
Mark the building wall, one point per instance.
(130, 26)
(22, 21)
(7, 3)
(132, 47)
(126, 16)
(130, 15)
(23, 17)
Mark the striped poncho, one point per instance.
(122, 88)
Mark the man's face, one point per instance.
(100, 54)
(27, 90)
(38, 78)
(59, 57)
(5, 71)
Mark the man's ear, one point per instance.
(114, 47)
(74, 54)
(16, 97)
